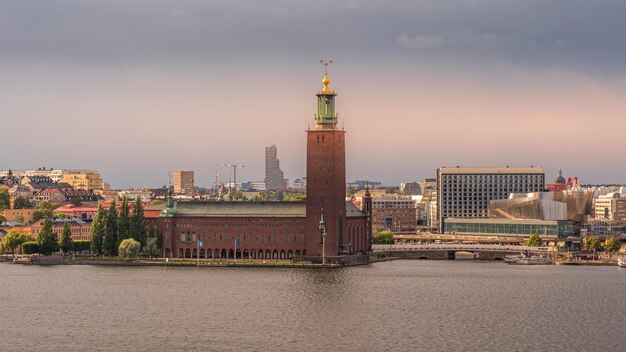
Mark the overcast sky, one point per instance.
(137, 88)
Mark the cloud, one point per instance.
(465, 39)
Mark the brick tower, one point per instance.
(326, 177)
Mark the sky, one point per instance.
(137, 88)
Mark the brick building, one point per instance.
(277, 230)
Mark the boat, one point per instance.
(621, 262)
(532, 260)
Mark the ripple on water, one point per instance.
(392, 306)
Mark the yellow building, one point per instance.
(84, 180)
(183, 182)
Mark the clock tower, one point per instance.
(326, 177)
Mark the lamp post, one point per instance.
(322, 229)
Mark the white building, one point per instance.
(465, 192)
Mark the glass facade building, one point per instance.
(544, 228)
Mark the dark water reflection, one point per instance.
(396, 306)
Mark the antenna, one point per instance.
(326, 63)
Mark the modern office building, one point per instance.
(183, 182)
(274, 176)
(465, 192)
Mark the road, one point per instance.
(453, 246)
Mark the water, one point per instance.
(393, 306)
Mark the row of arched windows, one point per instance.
(230, 253)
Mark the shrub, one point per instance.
(384, 237)
(31, 247)
(81, 245)
(129, 248)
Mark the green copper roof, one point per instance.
(243, 209)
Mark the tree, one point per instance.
(47, 239)
(384, 237)
(14, 239)
(44, 211)
(21, 203)
(151, 249)
(19, 218)
(138, 230)
(129, 248)
(97, 231)
(123, 222)
(612, 244)
(66, 243)
(77, 202)
(593, 243)
(5, 199)
(533, 241)
(110, 231)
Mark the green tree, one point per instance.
(21, 203)
(592, 243)
(47, 239)
(612, 244)
(14, 239)
(19, 218)
(159, 237)
(279, 195)
(151, 249)
(110, 231)
(129, 248)
(5, 199)
(384, 237)
(97, 231)
(533, 241)
(123, 222)
(77, 202)
(66, 243)
(44, 210)
(138, 229)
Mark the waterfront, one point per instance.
(391, 306)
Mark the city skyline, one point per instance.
(162, 86)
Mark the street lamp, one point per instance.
(322, 229)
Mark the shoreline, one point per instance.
(230, 263)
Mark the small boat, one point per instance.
(621, 262)
(533, 260)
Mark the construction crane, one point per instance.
(234, 166)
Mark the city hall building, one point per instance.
(278, 230)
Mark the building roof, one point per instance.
(247, 209)
(491, 170)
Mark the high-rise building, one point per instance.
(465, 192)
(274, 176)
(183, 182)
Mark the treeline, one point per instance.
(46, 243)
(110, 228)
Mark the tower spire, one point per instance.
(325, 80)
(326, 117)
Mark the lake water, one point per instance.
(391, 306)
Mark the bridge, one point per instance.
(452, 251)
